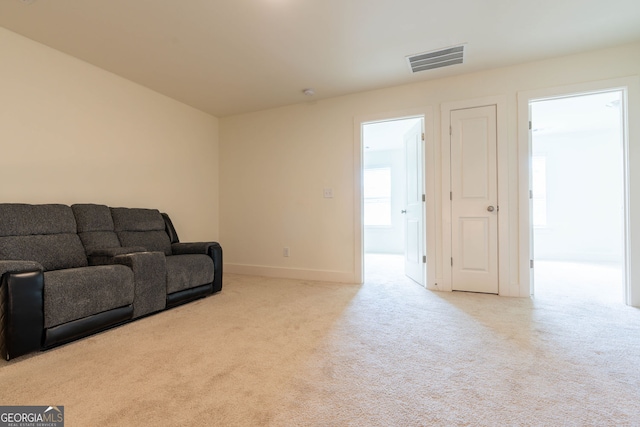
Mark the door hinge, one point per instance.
(530, 125)
(424, 259)
(531, 194)
(530, 263)
(424, 198)
(450, 130)
(450, 195)
(451, 261)
(423, 136)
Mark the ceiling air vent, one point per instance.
(436, 59)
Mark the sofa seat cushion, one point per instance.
(80, 292)
(188, 271)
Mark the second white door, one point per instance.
(474, 200)
(414, 212)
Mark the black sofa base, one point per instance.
(182, 297)
(80, 328)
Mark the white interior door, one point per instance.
(474, 197)
(414, 217)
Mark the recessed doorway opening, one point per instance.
(577, 175)
(394, 237)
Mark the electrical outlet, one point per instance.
(285, 252)
(328, 193)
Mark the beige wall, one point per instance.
(276, 163)
(71, 132)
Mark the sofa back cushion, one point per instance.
(95, 226)
(141, 227)
(41, 233)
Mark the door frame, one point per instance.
(426, 113)
(505, 287)
(628, 85)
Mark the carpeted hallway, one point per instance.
(273, 352)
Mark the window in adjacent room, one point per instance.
(377, 197)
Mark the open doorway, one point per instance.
(393, 195)
(578, 196)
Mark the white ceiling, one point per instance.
(233, 56)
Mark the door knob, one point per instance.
(403, 211)
(490, 208)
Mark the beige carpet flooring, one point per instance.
(566, 280)
(272, 352)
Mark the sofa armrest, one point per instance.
(150, 280)
(10, 266)
(104, 256)
(21, 307)
(213, 249)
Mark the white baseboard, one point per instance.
(291, 273)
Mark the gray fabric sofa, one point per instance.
(70, 271)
